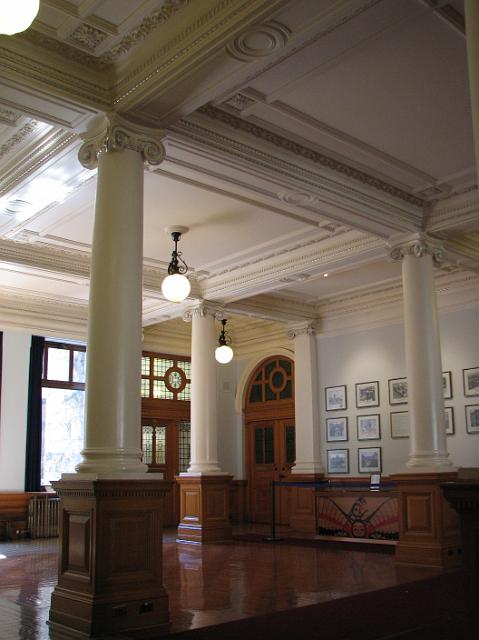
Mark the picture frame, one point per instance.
(367, 394)
(369, 460)
(337, 429)
(336, 398)
(472, 418)
(399, 424)
(449, 420)
(446, 385)
(398, 391)
(338, 460)
(369, 427)
(471, 381)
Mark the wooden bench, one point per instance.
(14, 513)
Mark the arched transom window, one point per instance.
(272, 381)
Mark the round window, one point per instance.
(175, 379)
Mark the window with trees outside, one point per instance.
(63, 402)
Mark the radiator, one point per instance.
(43, 516)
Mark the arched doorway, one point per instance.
(270, 436)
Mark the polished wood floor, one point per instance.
(211, 584)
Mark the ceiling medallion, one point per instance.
(259, 41)
(297, 198)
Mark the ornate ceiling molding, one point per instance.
(316, 157)
(258, 41)
(18, 137)
(459, 212)
(418, 246)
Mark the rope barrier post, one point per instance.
(272, 537)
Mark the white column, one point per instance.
(471, 10)
(428, 449)
(113, 404)
(306, 391)
(204, 424)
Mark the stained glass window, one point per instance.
(165, 377)
(272, 381)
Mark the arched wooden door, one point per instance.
(270, 437)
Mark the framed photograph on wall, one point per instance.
(449, 420)
(471, 381)
(399, 424)
(367, 394)
(472, 418)
(369, 460)
(335, 398)
(446, 385)
(336, 429)
(369, 427)
(398, 391)
(338, 460)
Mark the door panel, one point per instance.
(271, 456)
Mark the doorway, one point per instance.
(270, 438)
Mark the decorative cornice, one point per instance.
(33, 72)
(18, 137)
(418, 246)
(303, 329)
(7, 116)
(307, 153)
(116, 133)
(202, 309)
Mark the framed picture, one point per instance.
(367, 394)
(338, 460)
(369, 427)
(472, 418)
(369, 460)
(471, 381)
(398, 391)
(335, 398)
(449, 420)
(447, 385)
(336, 429)
(399, 424)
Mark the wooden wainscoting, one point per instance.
(239, 501)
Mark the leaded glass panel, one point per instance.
(290, 444)
(184, 445)
(145, 366)
(160, 366)
(145, 388)
(160, 445)
(147, 444)
(269, 445)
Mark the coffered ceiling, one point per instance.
(301, 137)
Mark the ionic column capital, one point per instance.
(202, 309)
(418, 245)
(114, 132)
(309, 328)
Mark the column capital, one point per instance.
(417, 245)
(204, 308)
(113, 132)
(308, 328)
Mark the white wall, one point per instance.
(13, 422)
(230, 429)
(378, 354)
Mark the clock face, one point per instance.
(175, 379)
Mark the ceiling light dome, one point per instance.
(17, 16)
(224, 353)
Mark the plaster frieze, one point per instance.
(418, 246)
(455, 213)
(314, 156)
(116, 133)
(8, 116)
(18, 137)
(334, 195)
(28, 69)
(345, 249)
(45, 148)
(45, 257)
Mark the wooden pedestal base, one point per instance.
(303, 503)
(204, 508)
(429, 532)
(110, 564)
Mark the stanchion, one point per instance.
(272, 537)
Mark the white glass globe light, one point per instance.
(17, 16)
(175, 287)
(224, 354)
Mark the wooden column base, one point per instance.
(429, 531)
(302, 512)
(110, 565)
(204, 508)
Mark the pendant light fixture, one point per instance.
(176, 286)
(224, 353)
(17, 16)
